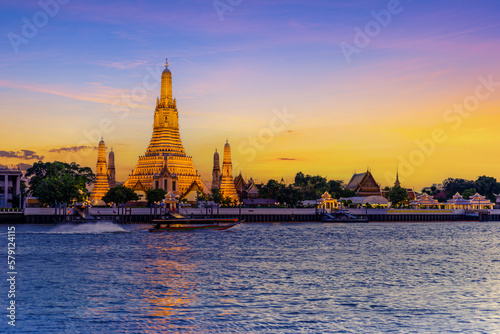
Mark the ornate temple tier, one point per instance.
(227, 187)
(101, 184)
(165, 164)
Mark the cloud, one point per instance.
(72, 149)
(122, 65)
(287, 159)
(21, 166)
(96, 92)
(24, 154)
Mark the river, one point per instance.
(255, 278)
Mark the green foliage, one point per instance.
(312, 186)
(216, 195)
(120, 195)
(155, 195)
(349, 193)
(398, 196)
(226, 201)
(58, 182)
(453, 186)
(270, 190)
(286, 195)
(485, 185)
(289, 196)
(201, 197)
(306, 187)
(469, 193)
(336, 188)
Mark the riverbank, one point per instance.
(261, 215)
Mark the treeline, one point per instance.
(305, 187)
(484, 185)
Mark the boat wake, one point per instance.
(89, 228)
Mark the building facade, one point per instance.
(10, 188)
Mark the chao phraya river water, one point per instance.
(257, 278)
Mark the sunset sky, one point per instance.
(323, 87)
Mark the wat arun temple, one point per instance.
(165, 164)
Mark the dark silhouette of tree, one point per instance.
(120, 195)
(155, 195)
(398, 196)
(59, 182)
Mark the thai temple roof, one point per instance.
(364, 185)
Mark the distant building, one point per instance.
(476, 202)
(411, 193)
(227, 187)
(326, 202)
(424, 201)
(252, 189)
(10, 187)
(216, 174)
(111, 169)
(101, 184)
(364, 185)
(241, 186)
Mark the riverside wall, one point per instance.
(261, 215)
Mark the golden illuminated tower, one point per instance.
(227, 187)
(111, 169)
(101, 185)
(216, 171)
(165, 164)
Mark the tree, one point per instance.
(226, 201)
(155, 195)
(270, 190)
(398, 195)
(487, 186)
(311, 186)
(59, 182)
(201, 197)
(290, 196)
(349, 193)
(468, 193)
(336, 188)
(453, 186)
(120, 195)
(216, 195)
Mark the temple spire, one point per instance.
(227, 187)
(397, 183)
(166, 86)
(101, 184)
(216, 173)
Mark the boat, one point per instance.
(180, 223)
(342, 217)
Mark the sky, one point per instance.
(323, 87)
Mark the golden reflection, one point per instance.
(171, 288)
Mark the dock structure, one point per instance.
(129, 215)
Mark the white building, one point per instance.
(10, 187)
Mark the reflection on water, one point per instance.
(263, 278)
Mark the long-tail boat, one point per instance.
(180, 223)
